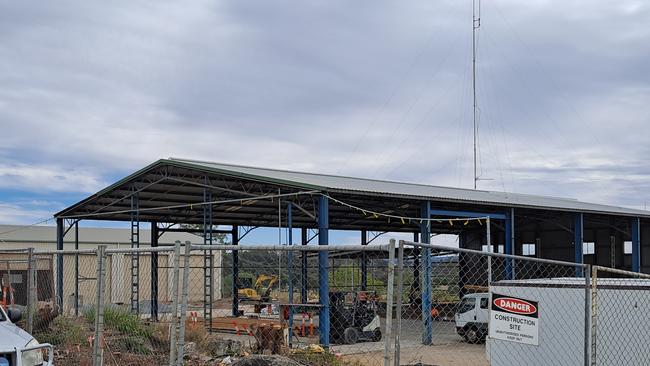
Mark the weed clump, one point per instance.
(64, 331)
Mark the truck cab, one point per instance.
(472, 317)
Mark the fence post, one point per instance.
(594, 312)
(488, 241)
(400, 298)
(174, 310)
(31, 290)
(389, 301)
(587, 273)
(184, 299)
(98, 348)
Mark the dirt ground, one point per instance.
(461, 354)
(148, 345)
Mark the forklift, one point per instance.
(353, 317)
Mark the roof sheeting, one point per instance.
(336, 183)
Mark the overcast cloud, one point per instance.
(90, 92)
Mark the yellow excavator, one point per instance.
(260, 291)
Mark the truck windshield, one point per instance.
(466, 305)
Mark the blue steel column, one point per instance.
(425, 237)
(303, 267)
(235, 272)
(290, 268)
(323, 273)
(510, 239)
(636, 244)
(59, 263)
(578, 238)
(364, 262)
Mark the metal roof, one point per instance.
(335, 183)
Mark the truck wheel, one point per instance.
(376, 335)
(350, 336)
(471, 335)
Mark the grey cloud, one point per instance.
(378, 89)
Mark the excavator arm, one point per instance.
(264, 284)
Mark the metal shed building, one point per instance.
(177, 191)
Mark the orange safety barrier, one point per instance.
(248, 331)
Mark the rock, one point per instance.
(205, 358)
(263, 360)
(189, 349)
(222, 347)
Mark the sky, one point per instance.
(90, 92)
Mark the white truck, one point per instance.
(472, 317)
(19, 348)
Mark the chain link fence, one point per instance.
(270, 300)
(261, 300)
(466, 307)
(620, 309)
(406, 304)
(493, 309)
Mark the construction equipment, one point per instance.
(353, 317)
(259, 292)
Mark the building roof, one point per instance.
(336, 183)
(87, 235)
(174, 190)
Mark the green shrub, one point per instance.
(89, 315)
(62, 331)
(122, 321)
(126, 323)
(132, 344)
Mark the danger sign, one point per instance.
(513, 319)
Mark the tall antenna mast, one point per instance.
(476, 23)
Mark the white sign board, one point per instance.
(513, 319)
